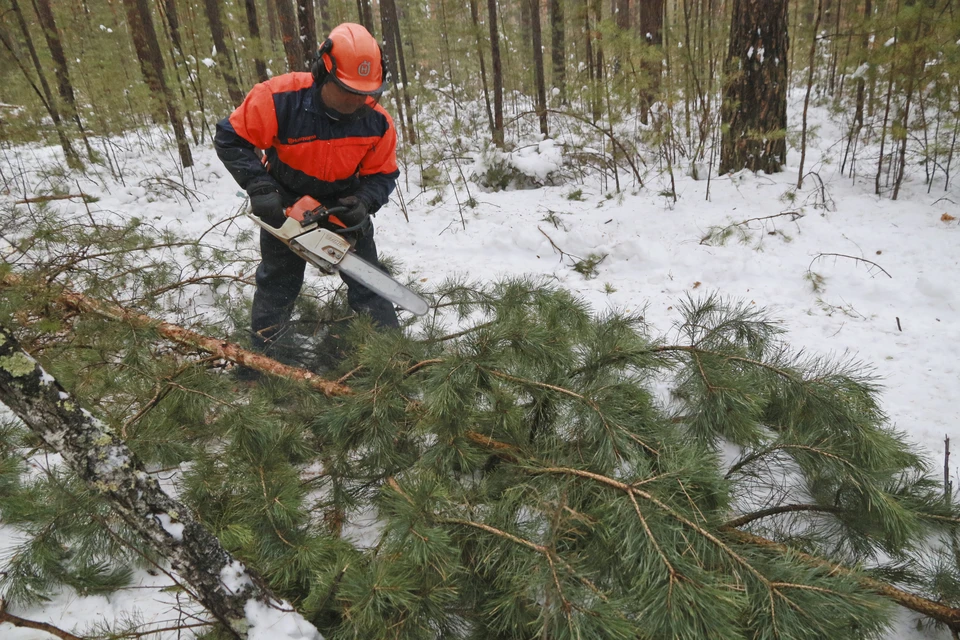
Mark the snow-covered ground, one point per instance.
(888, 274)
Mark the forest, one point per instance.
(515, 463)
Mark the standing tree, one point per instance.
(365, 14)
(46, 97)
(308, 28)
(651, 30)
(392, 20)
(288, 33)
(478, 36)
(558, 50)
(254, 28)
(151, 66)
(497, 73)
(538, 78)
(64, 86)
(223, 58)
(754, 110)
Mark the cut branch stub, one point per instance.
(234, 595)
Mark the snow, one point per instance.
(46, 378)
(234, 577)
(208, 62)
(277, 623)
(904, 325)
(175, 529)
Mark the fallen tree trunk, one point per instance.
(234, 595)
(220, 348)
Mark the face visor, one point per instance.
(350, 98)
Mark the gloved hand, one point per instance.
(266, 204)
(356, 212)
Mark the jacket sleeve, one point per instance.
(253, 125)
(378, 169)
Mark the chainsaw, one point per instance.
(317, 235)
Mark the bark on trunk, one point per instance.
(151, 66)
(390, 60)
(308, 29)
(223, 58)
(497, 73)
(390, 7)
(105, 463)
(325, 24)
(538, 75)
(64, 86)
(288, 32)
(365, 13)
(651, 30)
(475, 17)
(272, 25)
(754, 111)
(219, 348)
(253, 27)
(558, 49)
(68, 151)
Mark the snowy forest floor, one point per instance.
(858, 274)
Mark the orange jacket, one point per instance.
(307, 152)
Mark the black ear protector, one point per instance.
(319, 69)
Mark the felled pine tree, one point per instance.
(522, 478)
(517, 467)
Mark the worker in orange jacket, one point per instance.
(325, 135)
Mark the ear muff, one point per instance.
(319, 66)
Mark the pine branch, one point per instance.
(108, 466)
(747, 518)
(220, 348)
(947, 615)
(17, 621)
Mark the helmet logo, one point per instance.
(364, 68)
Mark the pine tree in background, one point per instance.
(754, 107)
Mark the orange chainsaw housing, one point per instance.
(306, 205)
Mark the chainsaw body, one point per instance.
(315, 234)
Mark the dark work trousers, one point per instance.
(280, 277)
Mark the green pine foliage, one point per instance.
(511, 466)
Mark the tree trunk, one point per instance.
(325, 24)
(288, 32)
(365, 13)
(475, 17)
(558, 49)
(651, 29)
(108, 466)
(308, 29)
(538, 75)
(391, 7)
(151, 66)
(811, 67)
(497, 73)
(254, 28)
(754, 110)
(64, 86)
(623, 14)
(390, 59)
(69, 153)
(272, 26)
(224, 63)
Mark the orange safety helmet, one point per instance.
(351, 57)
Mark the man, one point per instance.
(324, 135)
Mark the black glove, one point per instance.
(266, 204)
(357, 212)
